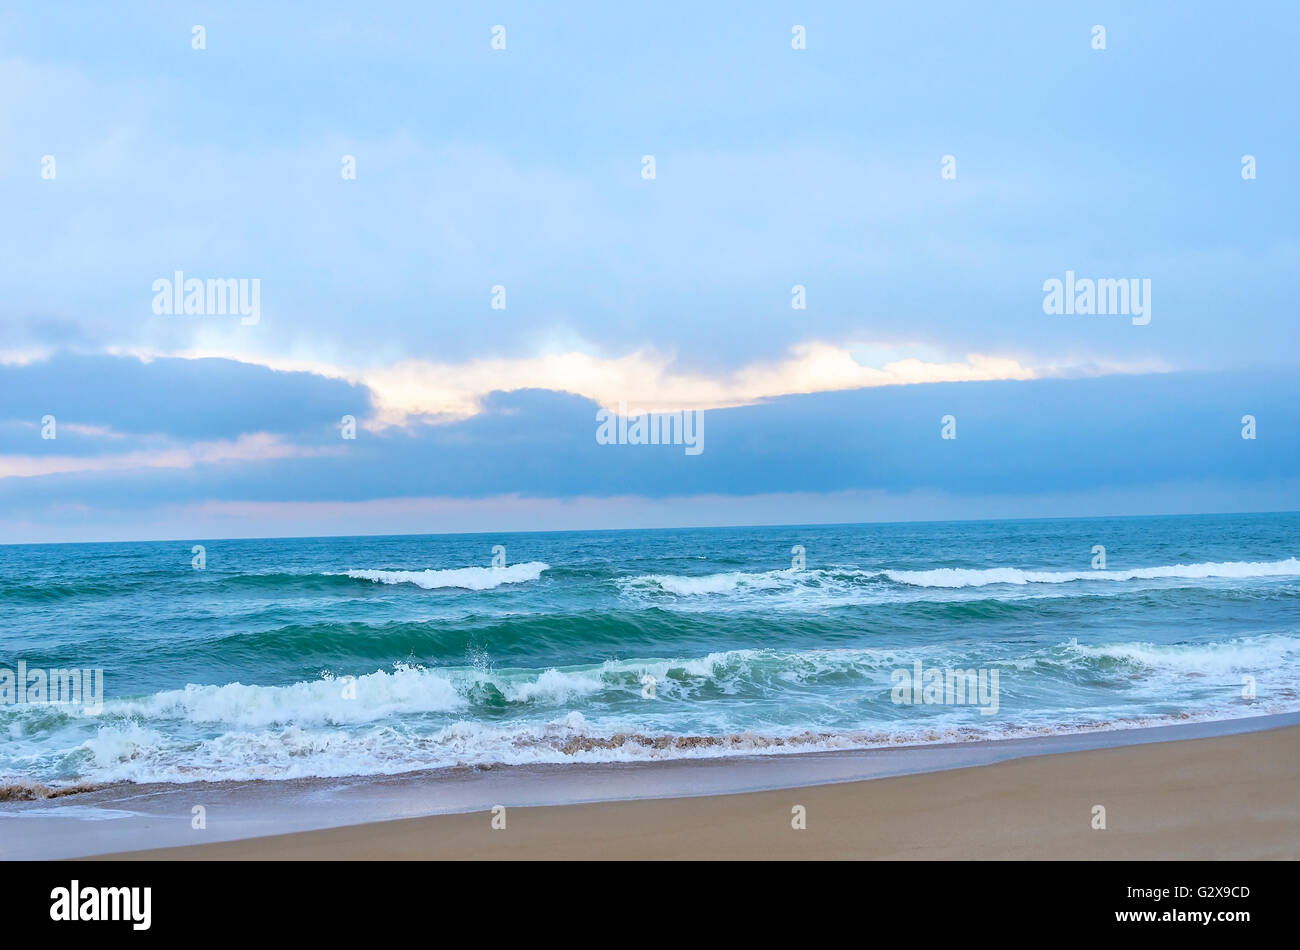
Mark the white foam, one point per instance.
(715, 583)
(408, 689)
(296, 752)
(961, 577)
(466, 578)
(415, 718)
(1260, 653)
(554, 687)
(830, 587)
(781, 590)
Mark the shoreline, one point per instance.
(126, 818)
(1228, 797)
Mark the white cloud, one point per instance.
(645, 379)
(258, 446)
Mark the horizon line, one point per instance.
(687, 527)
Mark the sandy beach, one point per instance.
(1229, 797)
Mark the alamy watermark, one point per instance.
(934, 686)
(52, 687)
(214, 297)
(75, 902)
(651, 428)
(1103, 296)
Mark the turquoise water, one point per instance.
(345, 656)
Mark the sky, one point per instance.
(458, 243)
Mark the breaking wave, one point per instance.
(959, 577)
(829, 586)
(466, 578)
(413, 718)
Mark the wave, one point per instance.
(843, 580)
(1264, 652)
(960, 577)
(66, 589)
(281, 580)
(134, 754)
(466, 578)
(796, 590)
(413, 717)
(525, 636)
(411, 689)
(747, 674)
(414, 689)
(469, 578)
(718, 583)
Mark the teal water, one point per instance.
(274, 662)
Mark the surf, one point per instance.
(465, 578)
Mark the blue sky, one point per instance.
(522, 168)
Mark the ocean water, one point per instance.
(378, 655)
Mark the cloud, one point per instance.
(762, 184)
(1016, 438)
(259, 447)
(645, 379)
(179, 399)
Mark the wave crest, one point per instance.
(465, 578)
(962, 577)
(843, 582)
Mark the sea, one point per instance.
(290, 658)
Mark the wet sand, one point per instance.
(1230, 797)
